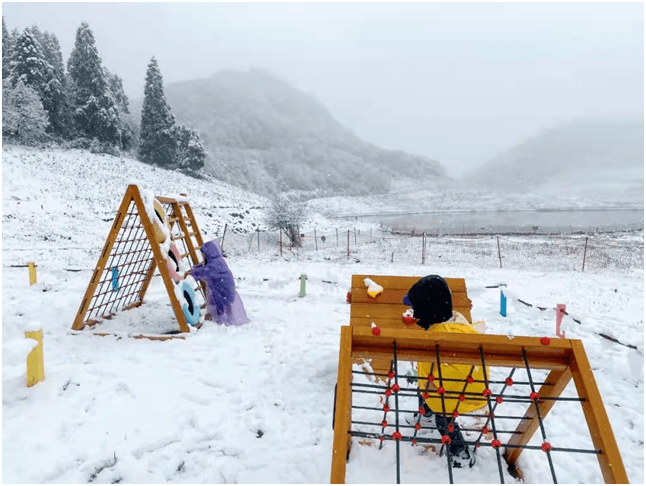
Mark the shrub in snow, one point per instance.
(23, 118)
(287, 215)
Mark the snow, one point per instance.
(251, 403)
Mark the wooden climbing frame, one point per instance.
(132, 252)
(565, 359)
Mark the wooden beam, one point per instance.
(555, 383)
(612, 466)
(343, 409)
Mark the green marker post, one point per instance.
(303, 278)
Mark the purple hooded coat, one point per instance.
(222, 298)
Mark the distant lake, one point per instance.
(539, 221)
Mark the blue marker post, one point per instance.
(503, 304)
(115, 279)
(303, 279)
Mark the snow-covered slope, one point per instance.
(249, 404)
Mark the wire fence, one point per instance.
(591, 253)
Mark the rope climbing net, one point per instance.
(521, 380)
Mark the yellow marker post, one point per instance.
(32, 273)
(35, 363)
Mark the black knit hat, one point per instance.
(430, 299)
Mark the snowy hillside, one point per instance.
(250, 404)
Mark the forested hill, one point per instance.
(264, 135)
(588, 155)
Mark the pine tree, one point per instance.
(54, 90)
(96, 114)
(190, 150)
(7, 47)
(115, 83)
(27, 62)
(23, 118)
(157, 144)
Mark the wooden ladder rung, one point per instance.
(184, 255)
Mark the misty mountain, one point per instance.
(592, 155)
(265, 135)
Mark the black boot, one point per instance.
(461, 455)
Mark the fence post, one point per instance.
(499, 256)
(584, 253)
(348, 244)
(225, 233)
(355, 236)
(32, 273)
(337, 237)
(281, 241)
(258, 230)
(423, 247)
(503, 304)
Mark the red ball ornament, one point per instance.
(431, 378)
(546, 446)
(348, 298)
(376, 331)
(509, 381)
(456, 414)
(384, 423)
(418, 426)
(533, 396)
(545, 341)
(470, 379)
(397, 436)
(386, 408)
(395, 388)
(446, 439)
(388, 392)
(414, 442)
(391, 374)
(478, 445)
(486, 392)
(422, 411)
(485, 430)
(425, 396)
(382, 438)
(462, 398)
(499, 399)
(441, 390)
(496, 444)
(450, 427)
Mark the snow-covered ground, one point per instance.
(249, 404)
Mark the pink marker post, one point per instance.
(560, 311)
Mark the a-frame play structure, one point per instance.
(149, 233)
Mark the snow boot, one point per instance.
(461, 455)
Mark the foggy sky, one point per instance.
(457, 82)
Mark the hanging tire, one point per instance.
(160, 222)
(172, 262)
(189, 307)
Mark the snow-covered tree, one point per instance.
(95, 110)
(115, 83)
(158, 144)
(28, 62)
(7, 44)
(54, 93)
(24, 119)
(288, 215)
(190, 150)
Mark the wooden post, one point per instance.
(612, 466)
(258, 231)
(585, 250)
(499, 256)
(225, 233)
(280, 235)
(316, 242)
(32, 273)
(348, 244)
(423, 247)
(35, 363)
(342, 409)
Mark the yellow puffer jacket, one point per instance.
(453, 371)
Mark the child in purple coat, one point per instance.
(222, 298)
